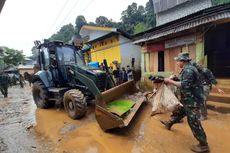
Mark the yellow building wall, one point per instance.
(108, 49)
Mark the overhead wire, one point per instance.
(69, 13)
(88, 5)
(59, 14)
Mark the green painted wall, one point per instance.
(199, 52)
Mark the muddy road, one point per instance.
(23, 128)
(145, 134)
(17, 119)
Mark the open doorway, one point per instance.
(217, 49)
(161, 63)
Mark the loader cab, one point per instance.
(55, 57)
(66, 55)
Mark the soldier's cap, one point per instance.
(183, 57)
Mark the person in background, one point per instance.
(129, 73)
(191, 97)
(21, 81)
(124, 76)
(111, 70)
(102, 67)
(116, 74)
(208, 80)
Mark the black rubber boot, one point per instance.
(167, 124)
(200, 148)
(179, 121)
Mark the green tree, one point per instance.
(92, 24)
(80, 21)
(1, 58)
(132, 16)
(64, 34)
(219, 2)
(102, 21)
(34, 51)
(149, 19)
(12, 56)
(105, 22)
(140, 27)
(134, 19)
(137, 18)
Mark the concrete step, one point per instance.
(225, 98)
(218, 107)
(225, 89)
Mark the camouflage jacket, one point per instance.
(207, 78)
(191, 87)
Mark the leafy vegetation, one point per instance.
(34, 53)
(133, 20)
(12, 56)
(64, 34)
(219, 2)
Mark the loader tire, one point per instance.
(40, 95)
(75, 103)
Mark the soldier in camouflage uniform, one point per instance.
(191, 98)
(207, 80)
(4, 83)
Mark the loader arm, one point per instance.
(91, 86)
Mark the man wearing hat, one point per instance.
(191, 97)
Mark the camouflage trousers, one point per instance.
(203, 108)
(192, 114)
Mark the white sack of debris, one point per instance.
(164, 101)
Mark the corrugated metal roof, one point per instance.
(192, 21)
(186, 26)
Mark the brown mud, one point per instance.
(26, 129)
(144, 135)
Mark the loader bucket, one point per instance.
(114, 109)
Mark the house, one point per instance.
(204, 34)
(111, 44)
(10, 69)
(26, 68)
(167, 11)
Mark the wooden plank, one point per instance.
(192, 51)
(151, 65)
